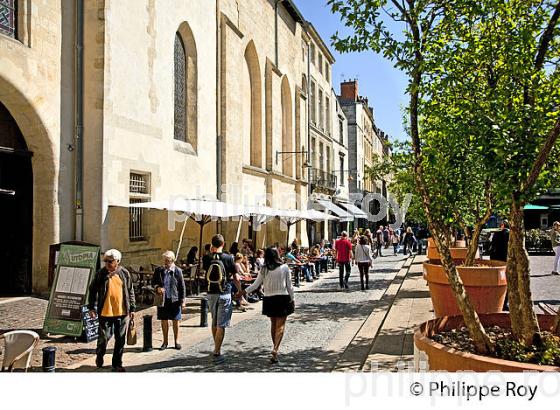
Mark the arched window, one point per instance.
(185, 89)
(180, 90)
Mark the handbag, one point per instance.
(159, 300)
(131, 333)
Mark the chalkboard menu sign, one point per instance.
(75, 267)
(91, 326)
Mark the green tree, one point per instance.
(482, 84)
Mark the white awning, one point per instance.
(319, 216)
(354, 210)
(329, 206)
(196, 208)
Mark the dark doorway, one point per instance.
(16, 208)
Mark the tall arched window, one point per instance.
(185, 89)
(180, 90)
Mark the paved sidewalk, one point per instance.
(393, 348)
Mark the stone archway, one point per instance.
(44, 169)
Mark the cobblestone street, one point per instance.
(327, 321)
(310, 343)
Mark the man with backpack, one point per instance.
(220, 274)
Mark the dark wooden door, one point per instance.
(16, 209)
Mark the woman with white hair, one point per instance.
(555, 239)
(168, 281)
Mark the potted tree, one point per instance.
(492, 56)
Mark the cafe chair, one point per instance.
(189, 275)
(18, 348)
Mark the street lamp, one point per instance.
(305, 164)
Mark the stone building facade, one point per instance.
(106, 103)
(365, 140)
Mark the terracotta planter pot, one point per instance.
(440, 357)
(458, 253)
(485, 285)
(461, 243)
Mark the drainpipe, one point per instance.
(276, 31)
(308, 117)
(218, 110)
(79, 107)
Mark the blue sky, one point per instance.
(378, 80)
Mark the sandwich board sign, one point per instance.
(76, 266)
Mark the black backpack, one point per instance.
(216, 275)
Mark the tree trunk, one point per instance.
(473, 244)
(481, 340)
(524, 324)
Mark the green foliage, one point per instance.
(484, 83)
(547, 354)
(398, 171)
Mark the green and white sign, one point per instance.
(75, 267)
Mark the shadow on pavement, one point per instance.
(251, 360)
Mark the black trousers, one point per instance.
(364, 272)
(344, 279)
(107, 327)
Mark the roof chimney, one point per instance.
(349, 90)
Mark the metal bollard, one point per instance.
(203, 312)
(49, 359)
(147, 333)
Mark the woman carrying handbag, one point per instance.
(362, 256)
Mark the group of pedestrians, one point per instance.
(112, 300)
(384, 237)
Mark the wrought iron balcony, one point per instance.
(322, 179)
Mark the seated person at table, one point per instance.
(241, 275)
(234, 249)
(259, 261)
(246, 265)
(247, 247)
(325, 251)
(241, 267)
(316, 255)
(207, 249)
(191, 256)
(291, 257)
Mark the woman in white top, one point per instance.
(362, 255)
(278, 301)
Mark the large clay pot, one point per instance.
(430, 355)
(458, 254)
(486, 286)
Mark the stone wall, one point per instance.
(30, 88)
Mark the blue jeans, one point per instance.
(307, 272)
(344, 279)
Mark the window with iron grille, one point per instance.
(8, 17)
(139, 190)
